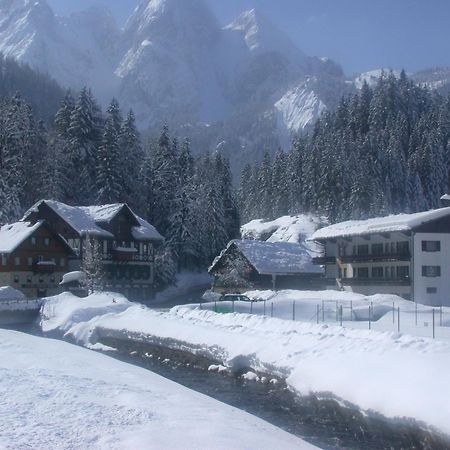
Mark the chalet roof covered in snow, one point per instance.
(12, 235)
(88, 219)
(274, 257)
(399, 222)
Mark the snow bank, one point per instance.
(64, 311)
(395, 374)
(57, 395)
(9, 293)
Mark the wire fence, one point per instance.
(418, 319)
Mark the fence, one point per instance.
(414, 319)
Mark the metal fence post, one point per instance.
(337, 303)
(293, 310)
(200, 305)
(433, 325)
(271, 309)
(264, 307)
(351, 310)
(251, 307)
(398, 319)
(232, 306)
(215, 305)
(340, 313)
(416, 312)
(318, 310)
(323, 310)
(370, 325)
(393, 312)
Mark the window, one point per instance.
(431, 246)
(403, 247)
(431, 290)
(145, 249)
(363, 249)
(377, 272)
(47, 242)
(29, 279)
(52, 279)
(16, 278)
(17, 260)
(30, 261)
(33, 240)
(41, 279)
(62, 262)
(431, 271)
(402, 271)
(377, 249)
(362, 272)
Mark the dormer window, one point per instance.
(33, 240)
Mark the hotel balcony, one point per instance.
(406, 281)
(322, 260)
(399, 256)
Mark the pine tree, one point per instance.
(109, 161)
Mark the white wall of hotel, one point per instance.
(429, 290)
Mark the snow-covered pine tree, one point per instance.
(109, 160)
(84, 137)
(131, 155)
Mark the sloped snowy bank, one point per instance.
(57, 395)
(395, 374)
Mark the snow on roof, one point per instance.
(277, 257)
(86, 219)
(146, 231)
(445, 197)
(399, 222)
(12, 235)
(73, 276)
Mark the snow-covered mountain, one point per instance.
(173, 61)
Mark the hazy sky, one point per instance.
(359, 34)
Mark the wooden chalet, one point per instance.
(249, 264)
(33, 258)
(125, 242)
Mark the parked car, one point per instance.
(235, 298)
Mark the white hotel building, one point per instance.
(406, 254)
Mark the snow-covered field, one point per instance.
(54, 395)
(398, 375)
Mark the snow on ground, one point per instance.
(295, 229)
(396, 374)
(185, 283)
(60, 396)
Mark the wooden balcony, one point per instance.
(44, 266)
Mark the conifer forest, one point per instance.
(385, 149)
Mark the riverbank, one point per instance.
(397, 375)
(57, 395)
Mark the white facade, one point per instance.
(432, 288)
(413, 263)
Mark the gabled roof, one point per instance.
(275, 258)
(388, 224)
(88, 219)
(12, 235)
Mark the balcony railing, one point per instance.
(398, 256)
(321, 260)
(403, 281)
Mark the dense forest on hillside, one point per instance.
(41, 92)
(384, 150)
(90, 157)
